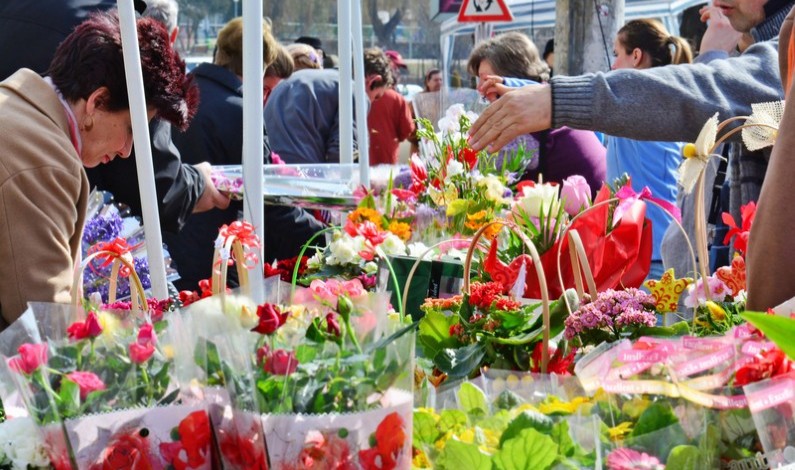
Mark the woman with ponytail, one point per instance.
(643, 44)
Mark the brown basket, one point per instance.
(137, 293)
(232, 245)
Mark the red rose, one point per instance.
(144, 347)
(30, 358)
(187, 297)
(270, 319)
(90, 328)
(281, 362)
(333, 325)
(126, 452)
(87, 381)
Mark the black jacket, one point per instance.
(32, 30)
(216, 135)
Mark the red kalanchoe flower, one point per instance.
(456, 329)
(270, 319)
(507, 304)
(483, 295)
(90, 328)
(187, 297)
(87, 381)
(144, 347)
(30, 358)
(281, 362)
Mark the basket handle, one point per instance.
(542, 280)
(137, 293)
(579, 259)
(221, 255)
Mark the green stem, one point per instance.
(147, 384)
(351, 334)
(301, 255)
(52, 397)
(395, 284)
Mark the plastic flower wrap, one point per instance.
(463, 333)
(478, 430)
(328, 376)
(21, 447)
(106, 379)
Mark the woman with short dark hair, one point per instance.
(50, 128)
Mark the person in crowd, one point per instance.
(39, 27)
(314, 43)
(304, 57)
(512, 59)
(77, 116)
(669, 103)
(390, 121)
(549, 55)
(642, 44)
(433, 80)
(302, 114)
(281, 68)
(399, 66)
(216, 136)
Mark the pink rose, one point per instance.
(87, 381)
(575, 194)
(281, 362)
(90, 328)
(144, 347)
(30, 358)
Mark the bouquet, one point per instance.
(21, 447)
(105, 378)
(485, 328)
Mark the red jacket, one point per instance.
(390, 123)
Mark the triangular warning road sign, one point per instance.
(484, 10)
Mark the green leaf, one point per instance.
(315, 333)
(425, 431)
(507, 400)
(381, 343)
(434, 332)
(472, 399)
(680, 328)
(560, 434)
(528, 419)
(451, 420)
(657, 416)
(778, 329)
(684, 458)
(69, 397)
(458, 455)
(460, 362)
(305, 353)
(530, 450)
(459, 206)
(525, 338)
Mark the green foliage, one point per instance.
(778, 329)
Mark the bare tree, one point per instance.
(385, 32)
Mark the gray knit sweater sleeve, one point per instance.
(669, 103)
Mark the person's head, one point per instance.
(88, 71)
(229, 46)
(314, 43)
(398, 64)
(281, 68)
(304, 56)
(377, 73)
(164, 11)
(744, 15)
(508, 55)
(549, 53)
(645, 43)
(433, 80)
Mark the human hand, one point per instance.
(518, 111)
(211, 198)
(720, 34)
(492, 87)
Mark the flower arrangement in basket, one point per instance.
(100, 384)
(328, 376)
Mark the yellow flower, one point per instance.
(491, 233)
(617, 433)
(442, 441)
(716, 311)
(363, 214)
(635, 407)
(401, 229)
(421, 460)
(553, 405)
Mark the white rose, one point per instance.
(342, 252)
(392, 245)
(19, 443)
(370, 268)
(533, 198)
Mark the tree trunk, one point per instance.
(385, 32)
(584, 33)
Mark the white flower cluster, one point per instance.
(346, 250)
(449, 124)
(20, 445)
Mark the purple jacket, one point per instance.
(566, 152)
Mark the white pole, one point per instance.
(362, 104)
(345, 104)
(143, 152)
(253, 152)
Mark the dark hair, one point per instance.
(229, 46)
(651, 37)
(282, 65)
(548, 49)
(511, 55)
(377, 63)
(91, 58)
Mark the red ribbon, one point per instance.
(118, 247)
(244, 232)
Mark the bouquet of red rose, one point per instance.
(101, 386)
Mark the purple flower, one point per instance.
(101, 228)
(610, 311)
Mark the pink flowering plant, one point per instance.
(85, 363)
(611, 316)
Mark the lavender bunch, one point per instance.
(95, 279)
(613, 315)
(101, 229)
